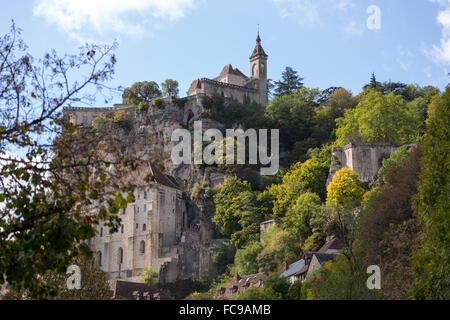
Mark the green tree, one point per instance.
(245, 259)
(94, 284)
(295, 291)
(170, 88)
(141, 92)
(47, 185)
(226, 218)
(379, 118)
(298, 218)
(303, 177)
(289, 83)
(256, 294)
(277, 284)
(374, 84)
(292, 114)
(278, 246)
(239, 211)
(149, 276)
(223, 256)
(337, 281)
(324, 121)
(431, 262)
(200, 296)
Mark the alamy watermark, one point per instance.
(374, 20)
(374, 281)
(230, 151)
(74, 280)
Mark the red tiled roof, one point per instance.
(228, 69)
(125, 289)
(332, 244)
(139, 176)
(238, 283)
(196, 84)
(258, 51)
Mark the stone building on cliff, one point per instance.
(232, 84)
(162, 229)
(155, 233)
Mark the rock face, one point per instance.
(365, 159)
(175, 237)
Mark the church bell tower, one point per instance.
(258, 70)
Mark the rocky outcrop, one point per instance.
(363, 158)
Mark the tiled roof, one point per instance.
(228, 69)
(138, 177)
(196, 84)
(304, 269)
(294, 268)
(258, 51)
(238, 283)
(332, 244)
(324, 257)
(125, 289)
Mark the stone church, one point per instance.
(231, 84)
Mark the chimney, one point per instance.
(286, 265)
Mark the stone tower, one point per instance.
(258, 69)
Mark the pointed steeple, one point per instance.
(258, 39)
(258, 51)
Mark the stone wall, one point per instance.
(365, 159)
(230, 91)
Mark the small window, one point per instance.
(145, 208)
(144, 227)
(120, 256)
(137, 209)
(137, 225)
(142, 247)
(101, 232)
(139, 196)
(121, 228)
(145, 194)
(124, 211)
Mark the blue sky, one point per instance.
(326, 41)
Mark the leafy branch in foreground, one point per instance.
(54, 177)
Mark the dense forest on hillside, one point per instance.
(399, 221)
(51, 171)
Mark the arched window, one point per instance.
(254, 70)
(142, 247)
(144, 227)
(120, 256)
(101, 232)
(99, 259)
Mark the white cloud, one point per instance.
(85, 18)
(306, 12)
(312, 13)
(352, 28)
(441, 53)
(344, 4)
